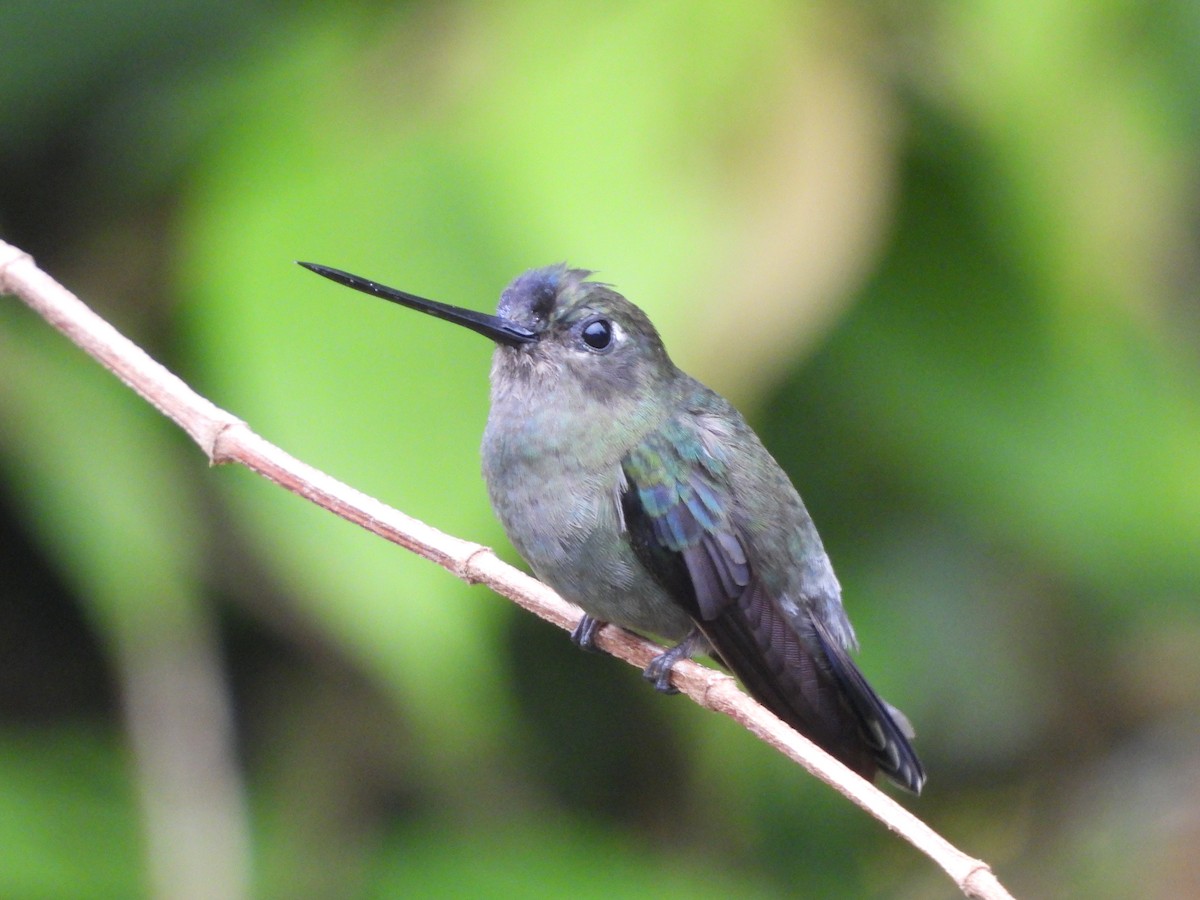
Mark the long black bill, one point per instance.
(502, 331)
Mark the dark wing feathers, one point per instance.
(682, 532)
(885, 730)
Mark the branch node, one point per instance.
(217, 441)
(464, 568)
(981, 882)
(716, 685)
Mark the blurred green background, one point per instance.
(945, 257)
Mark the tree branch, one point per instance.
(225, 438)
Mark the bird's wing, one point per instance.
(677, 512)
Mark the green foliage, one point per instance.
(943, 256)
(69, 824)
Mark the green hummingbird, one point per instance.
(644, 498)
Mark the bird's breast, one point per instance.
(559, 504)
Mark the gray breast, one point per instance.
(566, 524)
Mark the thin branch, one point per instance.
(225, 438)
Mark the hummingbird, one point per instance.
(645, 499)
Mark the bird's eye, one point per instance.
(597, 334)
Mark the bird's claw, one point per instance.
(659, 672)
(584, 635)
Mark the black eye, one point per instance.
(597, 334)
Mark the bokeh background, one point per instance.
(944, 255)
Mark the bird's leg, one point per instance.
(659, 670)
(584, 635)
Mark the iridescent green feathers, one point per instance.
(686, 525)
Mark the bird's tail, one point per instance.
(885, 729)
(815, 687)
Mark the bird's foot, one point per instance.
(659, 670)
(584, 635)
